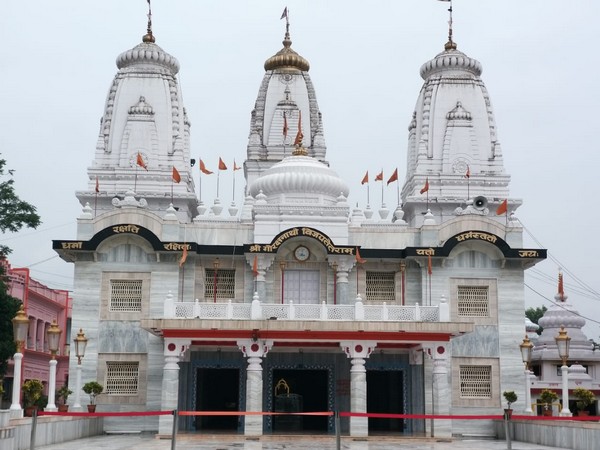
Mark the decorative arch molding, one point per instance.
(300, 232)
(123, 229)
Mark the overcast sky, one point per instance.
(540, 65)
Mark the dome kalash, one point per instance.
(300, 179)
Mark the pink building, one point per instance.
(42, 305)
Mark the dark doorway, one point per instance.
(307, 393)
(217, 390)
(384, 395)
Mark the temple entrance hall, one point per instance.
(217, 390)
(385, 395)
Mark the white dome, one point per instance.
(451, 60)
(300, 177)
(148, 54)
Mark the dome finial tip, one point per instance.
(149, 37)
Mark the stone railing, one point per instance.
(290, 311)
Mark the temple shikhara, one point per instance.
(294, 300)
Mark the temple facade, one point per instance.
(296, 301)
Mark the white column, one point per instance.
(358, 351)
(254, 351)
(528, 410)
(169, 400)
(565, 411)
(16, 392)
(52, 387)
(440, 390)
(77, 403)
(344, 265)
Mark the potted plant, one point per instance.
(93, 389)
(62, 394)
(32, 392)
(585, 398)
(547, 397)
(510, 398)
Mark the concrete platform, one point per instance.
(228, 442)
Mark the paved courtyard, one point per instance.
(216, 442)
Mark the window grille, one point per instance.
(225, 282)
(473, 301)
(381, 286)
(125, 295)
(476, 382)
(122, 377)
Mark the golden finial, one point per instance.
(450, 45)
(300, 150)
(149, 37)
(287, 59)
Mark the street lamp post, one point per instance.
(563, 342)
(53, 335)
(526, 349)
(20, 326)
(80, 344)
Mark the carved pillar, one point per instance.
(343, 265)
(173, 349)
(263, 262)
(440, 389)
(358, 351)
(254, 351)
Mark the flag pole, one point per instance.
(172, 182)
(218, 173)
(135, 178)
(382, 202)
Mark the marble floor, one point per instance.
(216, 442)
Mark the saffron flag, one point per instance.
(426, 187)
(285, 125)
(203, 168)
(140, 161)
(468, 174)
(255, 266)
(299, 135)
(394, 177)
(429, 265)
(235, 167)
(503, 208)
(97, 185)
(183, 257)
(222, 165)
(365, 178)
(176, 176)
(284, 14)
(358, 258)
(379, 176)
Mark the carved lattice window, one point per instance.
(223, 280)
(125, 295)
(473, 301)
(476, 382)
(122, 377)
(381, 286)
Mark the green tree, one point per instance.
(8, 309)
(535, 314)
(14, 215)
(14, 212)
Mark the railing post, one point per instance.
(444, 310)
(229, 312)
(196, 312)
(384, 311)
(255, 308)
(169, 306)
(292, 310)
(417, 313)
(323, 311)
(359, 309)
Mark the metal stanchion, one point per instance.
(33, 429)
(338, 431)
(507, 430)
(174, 433)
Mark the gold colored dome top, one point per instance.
(286, 58)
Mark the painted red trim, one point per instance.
(307, 335)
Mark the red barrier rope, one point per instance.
(251, 413)
(325, 413)
(106, 414)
